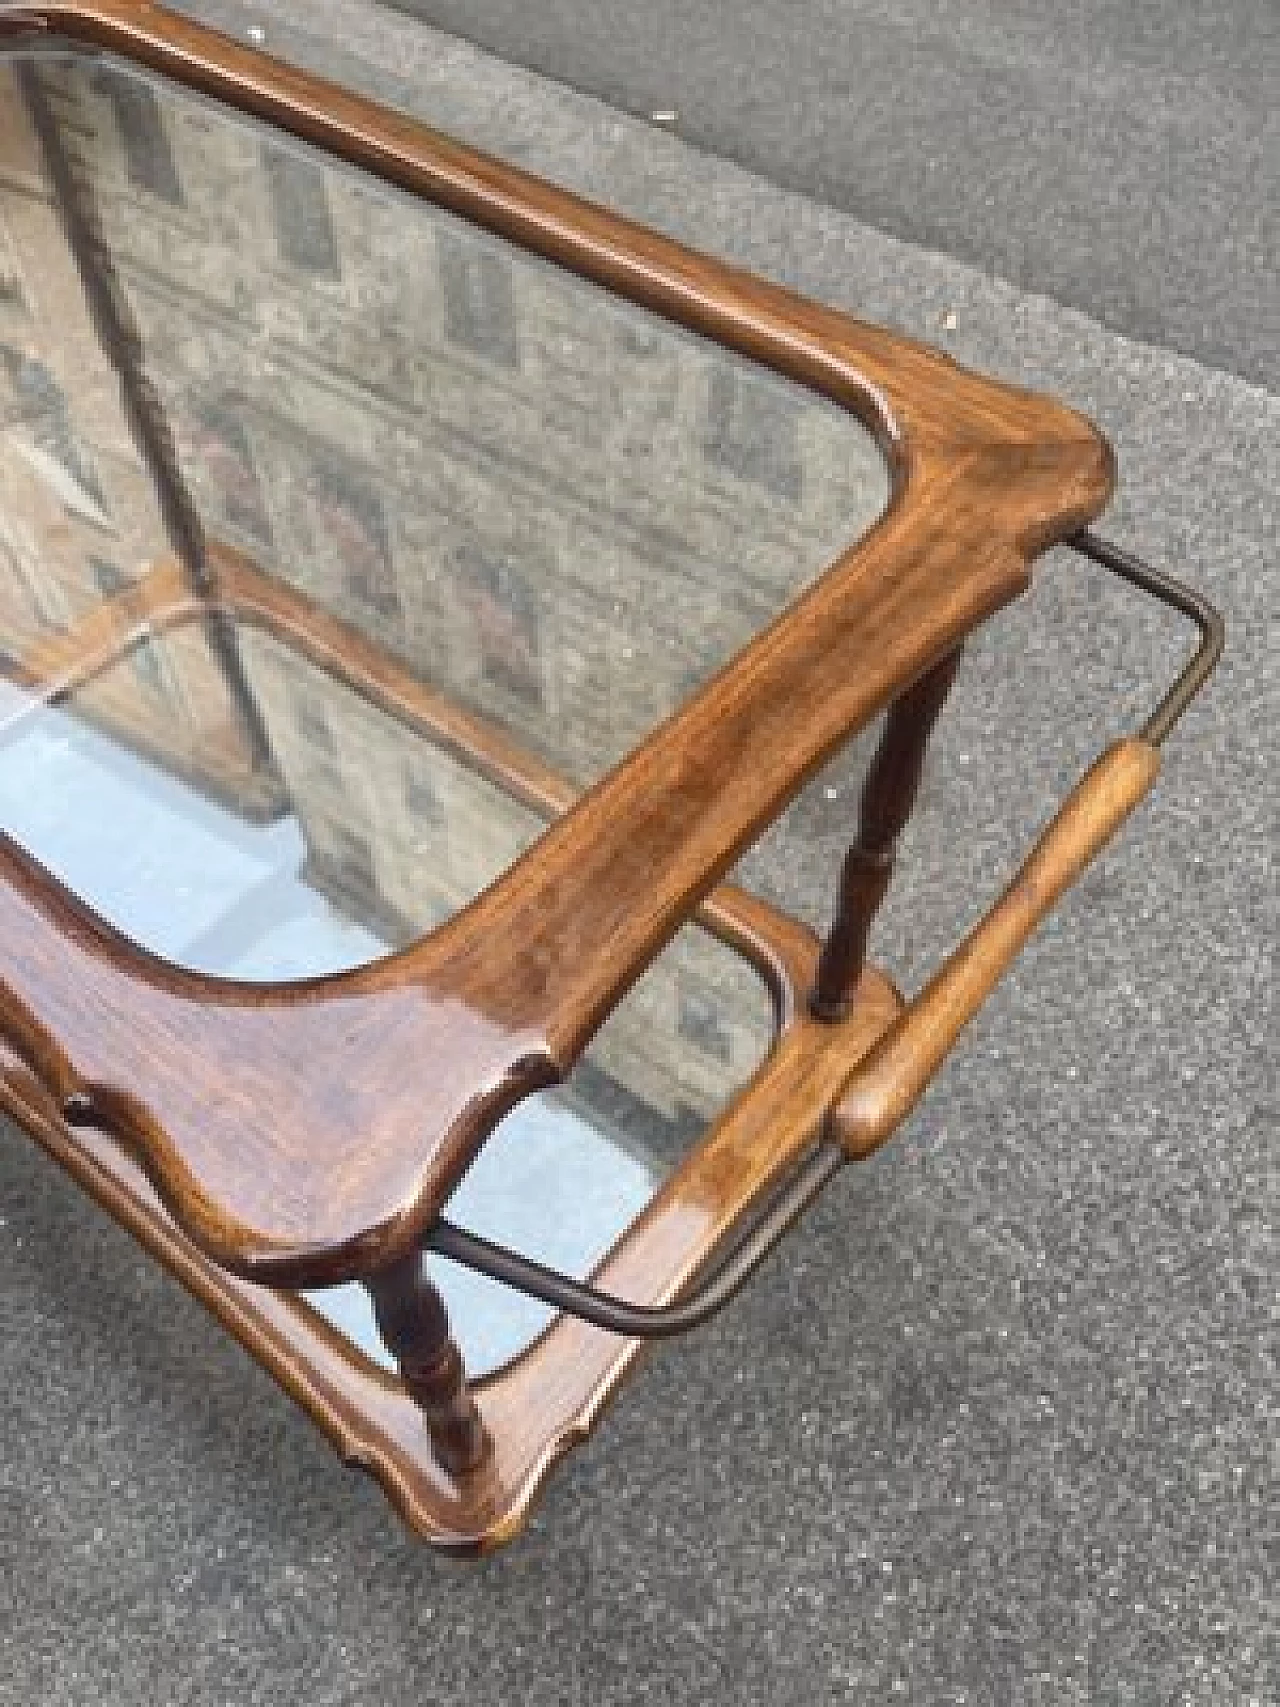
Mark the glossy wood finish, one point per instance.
(542, 1404)
(534, 1410)
(323, 1155)
(307, 1133)
(888, 797)
(414, 1324)
(868, 1068)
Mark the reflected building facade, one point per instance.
(557, 510)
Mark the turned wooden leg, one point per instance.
(414, 1323)
(888, 796)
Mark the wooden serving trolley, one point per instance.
(464, 578)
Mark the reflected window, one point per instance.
(220, 446)
(479, 302)
(150, 674)
(45, 412)
(753, 432)
(312, 723)
(108, 578)
(12, 290)
(44, 598)
(421, 798)
(503, 608)
(350, 518)
(700, 1023)
(148, 155)
(350, 859)
(300, 212)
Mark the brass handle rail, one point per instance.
(647, 1321)
(885, 1085)
(1177, 596)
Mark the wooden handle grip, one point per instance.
(890, 1080)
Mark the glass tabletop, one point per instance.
(550, 508)
(554, 505)
(375, 834)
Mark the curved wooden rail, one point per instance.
(308, 1133)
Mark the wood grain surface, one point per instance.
(552, 1396)
(308, 1133)
(888, 797)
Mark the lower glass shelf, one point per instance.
(117, 809)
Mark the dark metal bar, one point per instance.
(642, 1321)
(1180, 598)
(637, 1321)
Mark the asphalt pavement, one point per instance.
(1116, 155)
(998, 1427)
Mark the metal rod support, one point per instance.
(642, 1321)
(1178, 597)
(639, 1321)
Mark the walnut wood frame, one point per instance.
(326, 1156)
(539, 1405)
(503, 998)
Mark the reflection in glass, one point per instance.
(558, 511)
(135, 790)
(143, 136)
(558, 508)
(300, 209)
